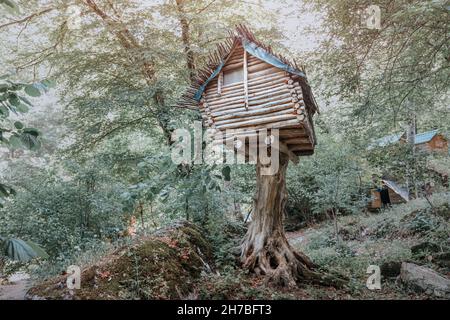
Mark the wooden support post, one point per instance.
(245, 80)
(284, 149)
(219, 83)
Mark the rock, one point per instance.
(390, 269)
(424, 279)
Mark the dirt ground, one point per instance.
(15, 287)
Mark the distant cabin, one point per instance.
(392, 193)
(247, 87)
(430, 141)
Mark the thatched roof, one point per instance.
(218, 57)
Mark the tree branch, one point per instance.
(27, 18)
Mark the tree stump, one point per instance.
(265, 249)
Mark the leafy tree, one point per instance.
(70, 213)
(14, 134)
(338, 176)
(382, 77)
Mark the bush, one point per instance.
(66, 216)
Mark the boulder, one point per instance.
(424, 279)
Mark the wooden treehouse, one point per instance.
(247, 91)
(246, 88)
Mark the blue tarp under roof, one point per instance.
(260, 53)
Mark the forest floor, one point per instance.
(16, 287)
(178, 262)
(412, 232)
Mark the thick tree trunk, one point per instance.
(265, 249)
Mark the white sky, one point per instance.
(296, 23)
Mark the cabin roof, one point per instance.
(217, 60)
(387, 140)
(397, 189)
(420, 138)
(425, 136)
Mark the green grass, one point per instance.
(375, 238)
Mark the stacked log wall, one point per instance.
(274, 101)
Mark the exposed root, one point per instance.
(265, 249)
(282, 265)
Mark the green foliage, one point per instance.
(14, 134)
(66, 215)
(384, 75)
(9, 6)
(423, 221)
(401, 164)
(20, 250)
(388, 236)
(331, 179)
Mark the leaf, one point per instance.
(38, 250)
(32, 91)
(19, 250)
(4, 111)
(4, 87)
(14, 142)
(18, 125)
(10, 6)
(3, 191)
(32, 131)
(23, 108)
(49, 83)
(14, 100)
(30, 141)
(25, 100)
(226, 173)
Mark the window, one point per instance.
(233, 76)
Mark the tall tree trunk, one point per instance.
(130, 43)
(185, 37)
(265, 249)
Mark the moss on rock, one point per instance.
(164, 265)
